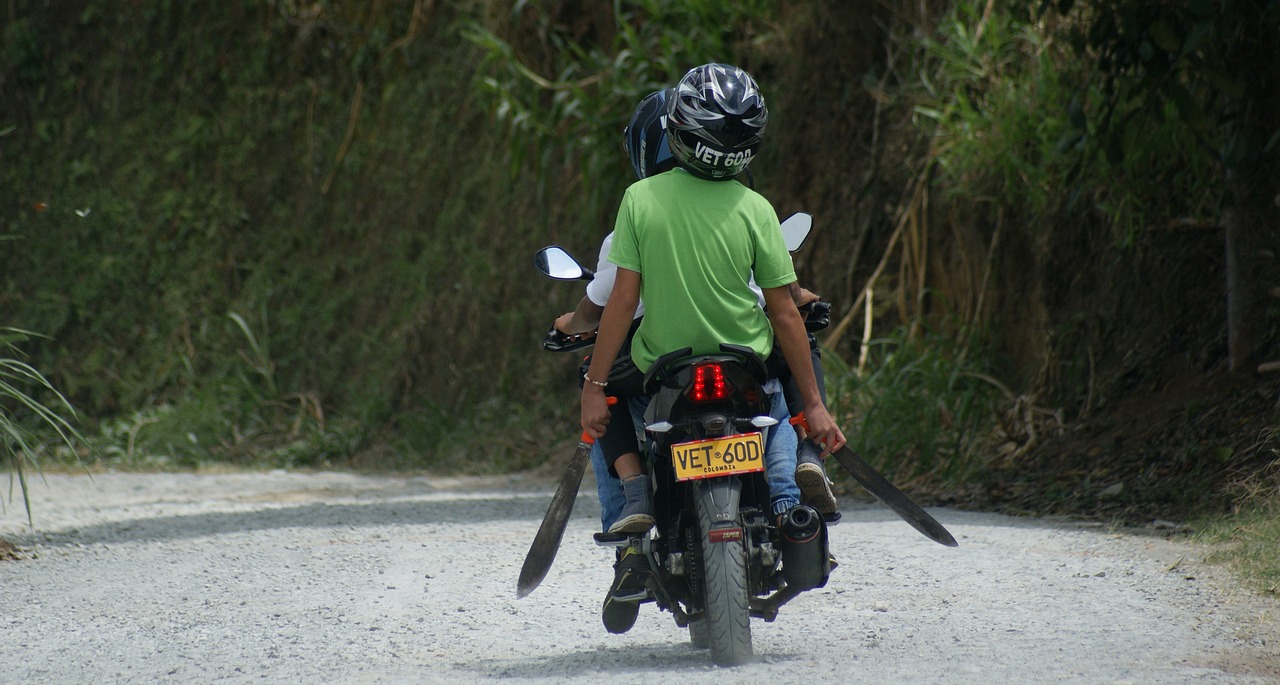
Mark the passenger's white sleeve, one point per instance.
(751, 284)
(756, 289)
(600, 287)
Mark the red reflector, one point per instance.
(709, 384)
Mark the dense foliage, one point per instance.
(263, 226)
(300, 232)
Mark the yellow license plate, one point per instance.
(718, 456)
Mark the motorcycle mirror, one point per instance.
(796, 229)
(555, 262)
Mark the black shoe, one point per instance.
(622, 604)
(637, 514)
(811, 478)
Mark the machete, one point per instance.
(547, 541)
(893, 498)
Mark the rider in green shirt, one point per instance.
(690, 240)
(706, 238)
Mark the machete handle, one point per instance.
(800, 420)
(586, 437)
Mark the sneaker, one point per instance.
(622, 604)
(637, 514)
(811, 478)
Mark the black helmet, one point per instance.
(716, 119)
(645, 137)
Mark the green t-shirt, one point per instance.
(696, 244)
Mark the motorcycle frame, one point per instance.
(742, 499)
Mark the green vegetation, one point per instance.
(260, 250)
(600, 64)
(272, 233)
(1017, 120)
(1246, 539)
(918, 406)
(28, 402)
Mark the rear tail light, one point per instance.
(709, 384)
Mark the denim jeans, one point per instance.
(608, 487)
(779, 459)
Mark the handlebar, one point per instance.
(555, 341)
(818, 315)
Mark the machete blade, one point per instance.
(893, 498)
(547, 542)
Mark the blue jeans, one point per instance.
(779, 459)
(608, 487)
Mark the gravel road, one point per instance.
(339, 578)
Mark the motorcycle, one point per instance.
(716, 556)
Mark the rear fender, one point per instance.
(721, 497)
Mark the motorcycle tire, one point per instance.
(725, 596)
(699, 633)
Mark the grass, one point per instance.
(28, 403)
(1250, 546)
(1248, 540)
(919, 408)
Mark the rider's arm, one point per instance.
(788, 327)
(615, 323)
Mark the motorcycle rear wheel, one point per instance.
(727, 622)
(699, 633)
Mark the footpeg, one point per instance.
(612, 539)
(638, 596)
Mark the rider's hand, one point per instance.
(562, 322)
(802, 296)
(595, 410)
(823, 430)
